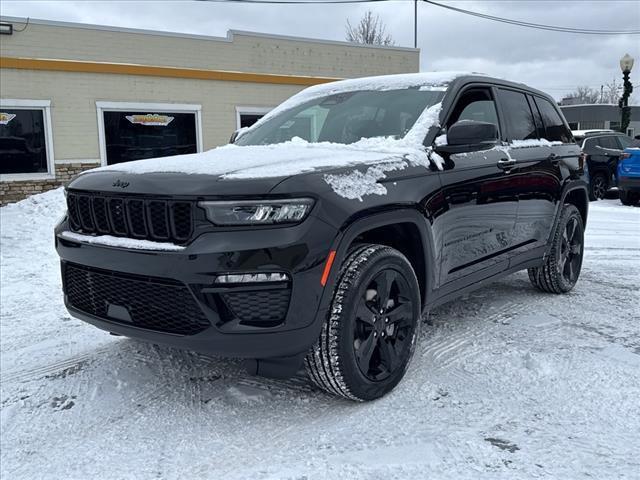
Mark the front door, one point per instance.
(475, 233)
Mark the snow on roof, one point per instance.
(433, 80)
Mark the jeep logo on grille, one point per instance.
(120, 183)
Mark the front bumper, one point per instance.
(631, 184)
(299, 251)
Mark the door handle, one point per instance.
(554, 159)
(506, 163)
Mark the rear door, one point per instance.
(610, 149)
(475, 232)
(531, 127)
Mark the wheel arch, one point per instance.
(392, 228)
(573, 194)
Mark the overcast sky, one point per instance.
(553, 62)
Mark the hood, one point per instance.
(246, 170)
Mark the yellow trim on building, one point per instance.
(157, 71)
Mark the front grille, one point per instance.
(259, 308)
(156, 304)
(150, 219)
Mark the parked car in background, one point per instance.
(602, 150)
(331, 226)
(629, 174)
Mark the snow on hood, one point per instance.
(291, 158)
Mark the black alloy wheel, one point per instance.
(383, 325)
(599, 186)
(570, 258)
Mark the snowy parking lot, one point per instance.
(506, 382)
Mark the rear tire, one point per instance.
(369, 336)
(628, 198)
(598, 187)
(561, 269)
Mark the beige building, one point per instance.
(76, 96)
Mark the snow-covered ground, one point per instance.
(506, 383)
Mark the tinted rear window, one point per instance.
(609, 142)
(556, 131)
(518, 117)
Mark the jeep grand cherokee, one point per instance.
(325, 232)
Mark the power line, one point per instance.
(539, 26)
(510, 21)
(298, 2)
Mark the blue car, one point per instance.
(629, 174)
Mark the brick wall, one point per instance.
(14, 191)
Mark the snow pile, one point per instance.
(43, 208)
(120, 242)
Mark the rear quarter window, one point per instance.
(609, 142)
(556, 130)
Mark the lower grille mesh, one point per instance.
(155, 304)
(259, 307)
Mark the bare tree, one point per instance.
(584, 94)
(369, 30)
(611, 92)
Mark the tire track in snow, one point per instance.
(69, 365)
(453, 343)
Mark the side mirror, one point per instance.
(234, 136)
(469, 135)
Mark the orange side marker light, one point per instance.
(327, 267)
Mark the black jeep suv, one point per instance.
(326, 231)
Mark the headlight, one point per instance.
(257, 212)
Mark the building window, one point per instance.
(591, 124)
(25, 140)
(130, 131)
(247, 116)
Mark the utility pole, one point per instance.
(415, 23)
(601, 93)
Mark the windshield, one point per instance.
(346, 117)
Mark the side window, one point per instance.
(476, 104)
(609, 142)
(554, 125)
(625, 142)
(518, 116)
(590, 144)
(537, 117)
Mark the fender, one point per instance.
(569, 187)
(350, 231)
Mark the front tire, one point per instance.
(369, 337)
(561, 269)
